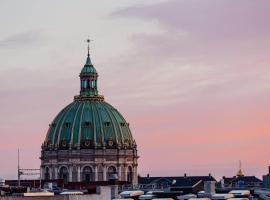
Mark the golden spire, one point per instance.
(240, 172)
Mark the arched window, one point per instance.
(63, 174)
(92, 84)
(47, 173)
(129, 174)
(111, 173)
(87, 174)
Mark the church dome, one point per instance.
(89, 121)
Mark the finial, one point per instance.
(240, 164)
(88, 48)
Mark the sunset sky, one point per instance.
(192, 77)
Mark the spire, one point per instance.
(88, 60)
(240, 172)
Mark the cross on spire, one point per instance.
(88, 48)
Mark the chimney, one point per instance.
(148, 176)
(210, 175)
(269, 170)
(185, 175)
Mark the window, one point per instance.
(67, 125)
(88, 84)
(53, 125)
(86, 124)
(129, 174)
(107, 124)
(63, 174)
(87, 174)
(111, 173)
(47, 173)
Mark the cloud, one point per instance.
(201, 83)
(20, 39)
(208, 18)
(218, 48)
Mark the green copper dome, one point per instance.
(89, 121)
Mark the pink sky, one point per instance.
(192, 77)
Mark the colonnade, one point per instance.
(88, 173)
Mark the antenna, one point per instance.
(19, 176)
(26, 172)
(240, 164)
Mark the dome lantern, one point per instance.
(88, 77)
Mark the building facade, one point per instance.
(266, 179)
(89, 140)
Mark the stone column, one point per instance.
(96, 172)
(79, 173)
(119, 172)
(42, 173)
(104, 173)
(126, 171)
(51, 172)
(56, 172)
(70, 173)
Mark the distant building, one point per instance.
(2, 182)
(89, 140)
(186, 184)
(266, 179)
(241, 182)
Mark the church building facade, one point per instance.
(89, 140)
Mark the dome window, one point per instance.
(122, 123)
(86, 124)
(67, 125)
(53, 125)
(107, 124)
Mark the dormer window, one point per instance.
(86, 124)
(67, 125)
(53, 125)
(107, 124)
(122, 123)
